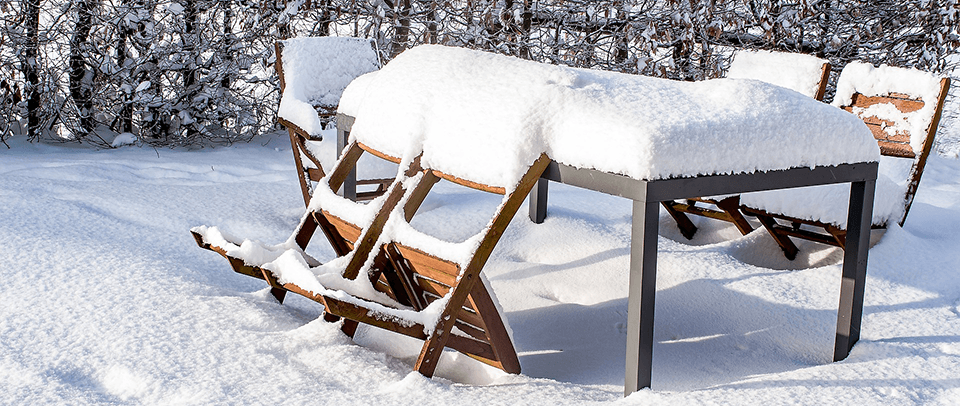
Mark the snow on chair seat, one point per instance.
(902, 108)
(805, 74)
(313, 73)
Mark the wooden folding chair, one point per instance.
(769, 67)
(432, 275)
(895, 143)
(324, 99)
(411, 278)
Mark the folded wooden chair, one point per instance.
(469, 318)
(895, 118)
(805, 74)
(316, 67)
(341, 228)
(425, 296)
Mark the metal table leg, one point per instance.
(642, 292)
(538, 201)
(859, 216)
(349, 188)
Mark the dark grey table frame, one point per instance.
(647, 195)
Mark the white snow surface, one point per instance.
(315, 72)
(487, 117)
(794, 71)
(866, 79)
(829, 203)
(107, 299)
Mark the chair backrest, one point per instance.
(902, 107)
(433, 274)
(803, 73)
(313, 73)
(321, 67)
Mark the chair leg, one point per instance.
(687, 228)
(278, 294)
(349, 327)
(731, 206)
(838, 234)
(790, 249)
(430, 353)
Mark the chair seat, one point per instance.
(828, 203)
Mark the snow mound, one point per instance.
(799, 72)
(486, 117)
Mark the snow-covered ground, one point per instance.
(105, 297)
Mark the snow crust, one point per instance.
(864, 78)
(487, 117)
(315, 72)
(794, 71)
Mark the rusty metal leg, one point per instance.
(859, 215)
(642, 291)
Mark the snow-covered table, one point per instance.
(647, 195)
(646, 139)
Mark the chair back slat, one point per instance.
(429, 266)
(470, 184)
(346, 230)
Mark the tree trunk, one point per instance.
(30, 66)
(124, 121)
(81, 78)
(401, 30)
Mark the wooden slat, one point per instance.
(701, 211)
(349, 231)
(353, 312)
(687, 228)
(314, 174)
(471, 330)
(471, 347)
(896, 149)
(496, 331)
(430, 286)
(807, 235)
(903, 102)
(383, 181)
(379, 154)
(430, 266)
(471, 184)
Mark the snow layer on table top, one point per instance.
(315, 72)
(799, 72)
(828, 203)
(486, 117)
(864, 78)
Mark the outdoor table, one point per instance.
(647, 195)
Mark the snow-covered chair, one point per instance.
(805, 74)
(412, 291)
(313, 73)
(902, 108)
